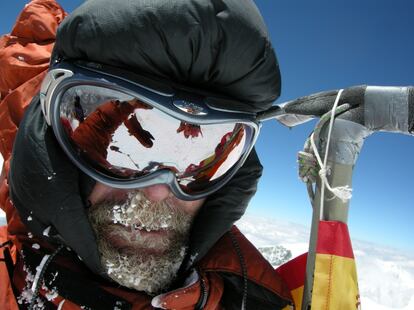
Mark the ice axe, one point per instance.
(347, 117)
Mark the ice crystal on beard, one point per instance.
(193, 257)
(123, 214)
(149, 273)
(153, 275)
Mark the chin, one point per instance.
(145, 269)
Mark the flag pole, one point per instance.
(346, 142)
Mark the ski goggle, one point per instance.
(129, 132)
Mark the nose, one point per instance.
(101, 192)
(157, 193)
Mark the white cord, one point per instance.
(38, 272)
(342, 192)
(61, 304)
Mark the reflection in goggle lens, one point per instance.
(122, 137)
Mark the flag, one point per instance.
(335, 284)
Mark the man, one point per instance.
(121, 207)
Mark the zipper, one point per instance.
(203, 295)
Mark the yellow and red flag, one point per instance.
(335, 284)
(293, 272)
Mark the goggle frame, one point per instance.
(172, 101)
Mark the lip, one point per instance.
(124, 242)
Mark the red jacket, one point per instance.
(24, 60)
(207, 280)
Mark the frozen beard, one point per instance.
(142, 243)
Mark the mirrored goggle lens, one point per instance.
(124, 138)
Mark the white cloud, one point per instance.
(385, 275)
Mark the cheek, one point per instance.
(103, 192)
(189, 207)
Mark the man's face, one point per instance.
(142, 234)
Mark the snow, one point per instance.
(27, 293)
(47, 231)
(52, 294)
(276, 255)
(36, 246)
(385, 275)
(268, 232)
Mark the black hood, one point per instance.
(221, 46)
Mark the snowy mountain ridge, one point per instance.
(275, 255)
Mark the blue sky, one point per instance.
(324, 45)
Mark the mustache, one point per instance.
(137, 212)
